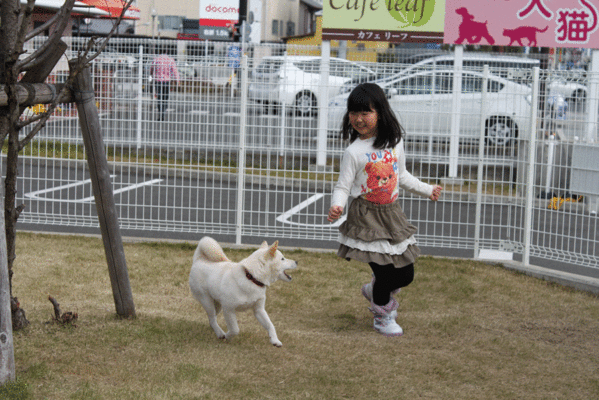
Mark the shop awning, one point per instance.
(79, 8)
(115, 8)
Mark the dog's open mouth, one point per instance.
(287, 275)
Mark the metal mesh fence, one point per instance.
(252, 149)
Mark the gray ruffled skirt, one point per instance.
(369, 223)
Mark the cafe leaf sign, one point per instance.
(384, 20)
(414, 15)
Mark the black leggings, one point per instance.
(387, 278)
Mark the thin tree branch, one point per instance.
(40, 29)
(23, 23)
(112, 32)
(18, 210)
(83, 54)
(63, 18)
(42, 119)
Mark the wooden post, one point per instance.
(29, 94)
(89, 120)
(45, 63)
(7, 357)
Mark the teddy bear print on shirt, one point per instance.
(382, 181)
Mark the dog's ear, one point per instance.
(264, 245)
(273, 249)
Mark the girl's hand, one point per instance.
(436, 193)
(334, 213)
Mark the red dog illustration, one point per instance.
(470, 30)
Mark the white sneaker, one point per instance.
(384, 319)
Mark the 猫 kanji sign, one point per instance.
(540, 23)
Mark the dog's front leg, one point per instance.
(231, 320)
(264, 320)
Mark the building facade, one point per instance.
(268, 22)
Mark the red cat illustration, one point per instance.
(523, 32)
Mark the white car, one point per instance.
(517, 69)
(422, 102)
(295, 81)
(573, 92)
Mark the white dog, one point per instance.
(217, 282)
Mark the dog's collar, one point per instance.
(251, 278)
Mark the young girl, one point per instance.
(376, 230)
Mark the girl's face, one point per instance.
(364, 122)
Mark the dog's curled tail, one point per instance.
(209, 249)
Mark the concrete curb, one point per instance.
(579, 282)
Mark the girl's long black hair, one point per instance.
(369, 96)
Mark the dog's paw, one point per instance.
(276, 343)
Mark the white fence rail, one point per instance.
(251, 150)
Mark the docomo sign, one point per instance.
(221, 10)
(219, 13)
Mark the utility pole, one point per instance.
(239, 33)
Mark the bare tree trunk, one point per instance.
(7, 356)
(15, 31)
(12, 213)
(11, 210)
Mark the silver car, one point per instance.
(295, 81)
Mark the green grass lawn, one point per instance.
(471, 331)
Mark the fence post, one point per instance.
(323, 103)
(592, 103)
(592, 100)
(481, 165)
(241, 156)
(140, 80)
(454, 138)
(283, 128)
(530, 177)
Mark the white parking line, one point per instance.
(36, 195)
(284, 218)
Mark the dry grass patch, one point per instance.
(472, 331)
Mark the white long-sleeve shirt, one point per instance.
(375, 174)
